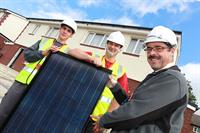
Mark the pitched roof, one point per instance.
(196, 118)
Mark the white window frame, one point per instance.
(50, 31)
(196, 129)
(138, 42)
(100, 43)
(36, 28)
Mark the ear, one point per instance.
(173, 50)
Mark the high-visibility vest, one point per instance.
(29, 71)
(106, 97)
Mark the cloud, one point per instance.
(56, 11)
(61, 10)
(124, 20)
(77, 15)
(148, 6)
(192, 73)
(191, 0)
(86, 3)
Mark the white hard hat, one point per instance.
(161, 34)
(117, 37)
(71, 23)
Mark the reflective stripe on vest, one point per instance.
(106, 97)
(26, 75)
(30, 70)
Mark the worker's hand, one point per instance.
(111, 82)
(46, 52)
(96, 61)
(96, 126)
(54, 48)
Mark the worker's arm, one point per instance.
(113, 105)
(79, 54)
(123, 81)
(151, 101)
(119, 93)
(32, 54)
(119, 88)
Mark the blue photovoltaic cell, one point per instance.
(60, 98)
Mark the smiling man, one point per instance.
(115, 42)
(159, 102)
(35, 56)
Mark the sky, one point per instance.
(179, 15)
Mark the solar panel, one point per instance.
(60, 98)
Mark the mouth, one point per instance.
(153, 59)
(64, 35)
(111, 51)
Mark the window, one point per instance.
(96, 40)
(35, 29)
(135, 47)
(52, 32)
(196, 129)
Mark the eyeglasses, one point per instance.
(156, 49)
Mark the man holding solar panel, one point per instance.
(115, 42)
(35, 56)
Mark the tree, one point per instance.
(192, 98)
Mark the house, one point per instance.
(195, 121)
(191, 120)
(18, 32)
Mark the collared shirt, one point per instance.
(167, 66)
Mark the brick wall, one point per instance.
(187, 127)
(132, 84)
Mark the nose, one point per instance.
(112, 46)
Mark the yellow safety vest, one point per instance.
(106, 97)
(29, 71)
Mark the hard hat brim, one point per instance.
(154, 39)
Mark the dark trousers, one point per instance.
(10, 101)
